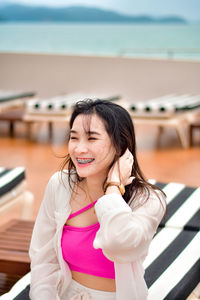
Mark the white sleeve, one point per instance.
(125, 235)
(45, 270)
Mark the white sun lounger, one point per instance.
(57, 109)
(176, 111)
(13, 99)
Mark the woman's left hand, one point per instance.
(121, 170)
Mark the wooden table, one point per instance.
(15, 239)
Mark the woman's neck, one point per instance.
(95, 187)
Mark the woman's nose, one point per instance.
(81, 147)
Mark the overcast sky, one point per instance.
(189, 9)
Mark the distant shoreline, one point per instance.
(98, 22)
(78, 14)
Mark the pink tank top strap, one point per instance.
(82, 210)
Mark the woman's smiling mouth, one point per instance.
(83, 162)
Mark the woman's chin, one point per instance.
(81, 173)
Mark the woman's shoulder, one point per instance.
(58, 190)
(60, 178)
(156, 203)
(54, 179)
(150, 197)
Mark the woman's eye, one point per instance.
(73, 138)
(91, 138)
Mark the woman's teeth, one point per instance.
(84, 161)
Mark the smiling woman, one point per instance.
(95, 225)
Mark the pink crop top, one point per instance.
(79, 253)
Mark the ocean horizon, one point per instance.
(177, 41)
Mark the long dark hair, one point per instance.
(119, 126)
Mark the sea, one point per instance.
(98, 39)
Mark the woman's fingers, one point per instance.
(128, 155)
(125, 167)
(129, 181)
(122, 169)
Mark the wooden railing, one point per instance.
(169, 53)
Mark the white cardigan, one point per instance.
(124, 236)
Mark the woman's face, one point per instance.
(90, 147)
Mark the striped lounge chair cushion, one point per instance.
(11, 183)
(183, 206)
(61, 104)
(12, 99)
(6, 96)
(166, 105)
(172, 267)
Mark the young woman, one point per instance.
(99, 216)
